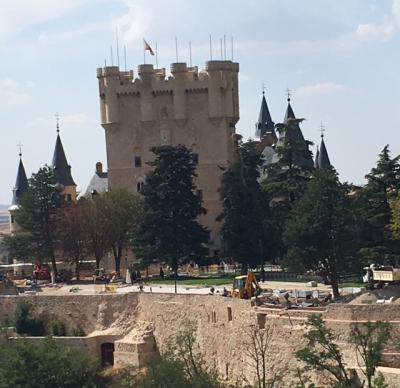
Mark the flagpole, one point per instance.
(176, 48)
(210, 49)
(232, 48)
(156, 56)
(144, 53)
(190, 53)
(116, 33)
(111, 52)
(221, 48)
(224, 47)
(125, 57)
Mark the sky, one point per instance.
(340, 59)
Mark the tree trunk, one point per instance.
(98, 259)
(335, 286)
(77, 269)
(117, 250)
(245, 268)
(54, 265)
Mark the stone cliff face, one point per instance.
(139, 324)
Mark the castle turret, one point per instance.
(198, 109)
(63, 170)
(290, 131)
(20, 188)
(265, 125)
(321, 158)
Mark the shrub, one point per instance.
(57, 329)
(23, 322)
(78, 332)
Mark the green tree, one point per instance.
(383, 184)
(370, 339)
(73, 233)
(37, 214)
(24, 365)
(121, 212)
(96, 229)
(321, 235)
(19, 246)
(169, 231)
(286, 179)
(244, 207)
(322, 354)
(24, 323)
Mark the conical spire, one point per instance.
(264, 124)
(289, 111)
(322, 158)
(60, 164)
(21, 183)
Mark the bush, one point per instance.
(57, 329)
(47, 365)
(78, 332)
(23, 322)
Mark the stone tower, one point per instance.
(21, 186)
(63, 171)
(198, 109)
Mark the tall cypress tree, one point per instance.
(37, 214)
(286, 178)
(383, 184)
(169, 231)
(321, 233)
(244, 224)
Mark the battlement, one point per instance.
(218, 81)
(215, 72)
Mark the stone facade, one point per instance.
(139, 324)
(198, 109)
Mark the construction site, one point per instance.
(128, 324)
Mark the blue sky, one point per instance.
(339, 57)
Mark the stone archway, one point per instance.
(107, 354)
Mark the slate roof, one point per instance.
(61, 167)
(291, 131)
(322, 158)
(264, 124)
(21, 184)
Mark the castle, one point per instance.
(198, 109)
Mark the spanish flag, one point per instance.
(147, 47)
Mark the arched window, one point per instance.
(139, 184)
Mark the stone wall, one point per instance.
(223, 326)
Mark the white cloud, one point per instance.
(375, 32)
(320, 88)
(132, 25)
(381, 31)
(12, 93)
(18, 15)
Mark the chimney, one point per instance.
(99, 168)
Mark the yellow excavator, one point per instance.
(245, 286)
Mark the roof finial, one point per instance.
(322, 129)
(20, 145)
(263, 87)
(58, 122)
(288, 92)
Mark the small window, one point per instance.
(138, 161)
(139, 187)
(12, 218)
(69, 198)
(196, 158)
